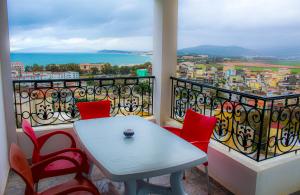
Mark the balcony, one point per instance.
(259, 128)
(253, 149)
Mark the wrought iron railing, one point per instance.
(49, 102)
(258, 127)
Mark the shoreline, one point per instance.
(44, 59)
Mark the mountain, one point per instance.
(282, 52)
(222, 51)
(115, 51)
(125, 52)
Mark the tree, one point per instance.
(91, 82)
(63, 67)
(37, 68)
(107, 69)
(124, 70)
(52, 68)
(94, 70)
(28, 68)
(148, 64)
(73, 67)
(143, 88)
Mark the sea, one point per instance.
(117, 59)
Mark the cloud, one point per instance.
(50, 44)
(249, 23)
(77, 25)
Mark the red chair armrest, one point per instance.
(85, 163)
(76, 150)
(176, 131)
(37, 168)
(65, 189)
(44, 138)
(79, 183)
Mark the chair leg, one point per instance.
(184, 173)
(207, 176)
(147, 179)
(36, 187)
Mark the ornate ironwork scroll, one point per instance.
(258, 127)
(50, 102)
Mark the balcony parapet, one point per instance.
(51, 102)
(255, 126)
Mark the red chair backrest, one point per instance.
(91, 110)
(19, 164)
(197, 127)
(28, 130)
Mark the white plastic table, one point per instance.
(152, 151)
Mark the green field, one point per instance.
(295, 70)
(257, 69)
(260, 69)
(287, 62)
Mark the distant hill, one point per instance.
(282, 52)
(227, 51)
(222, 51)
(115, 51)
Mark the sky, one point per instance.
(91, 25)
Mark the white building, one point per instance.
(17, 66)
(45, 75)
(64, 75)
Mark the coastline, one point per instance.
(115, 59)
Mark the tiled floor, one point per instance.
(195, 184)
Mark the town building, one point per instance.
(88, 67)
(17, 66)
(45, 75)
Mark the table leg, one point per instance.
(176, 183)
(130, 187)
(145, 188)
(91, 170)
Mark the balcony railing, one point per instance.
(258, 127)
(49, 102)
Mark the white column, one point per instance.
(5, 68)
(164, 56)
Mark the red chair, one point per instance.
(59, 167)
(31, 175)
(197, 129)
(91, 110)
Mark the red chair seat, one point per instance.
(174, 130)
(59, 167)
(32, 174)
(65, 165)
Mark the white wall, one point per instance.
(243, 176)
(232, 170)
(4, 166)
(7, 124)
(277, 176)
(280, 175)
(164, 55)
